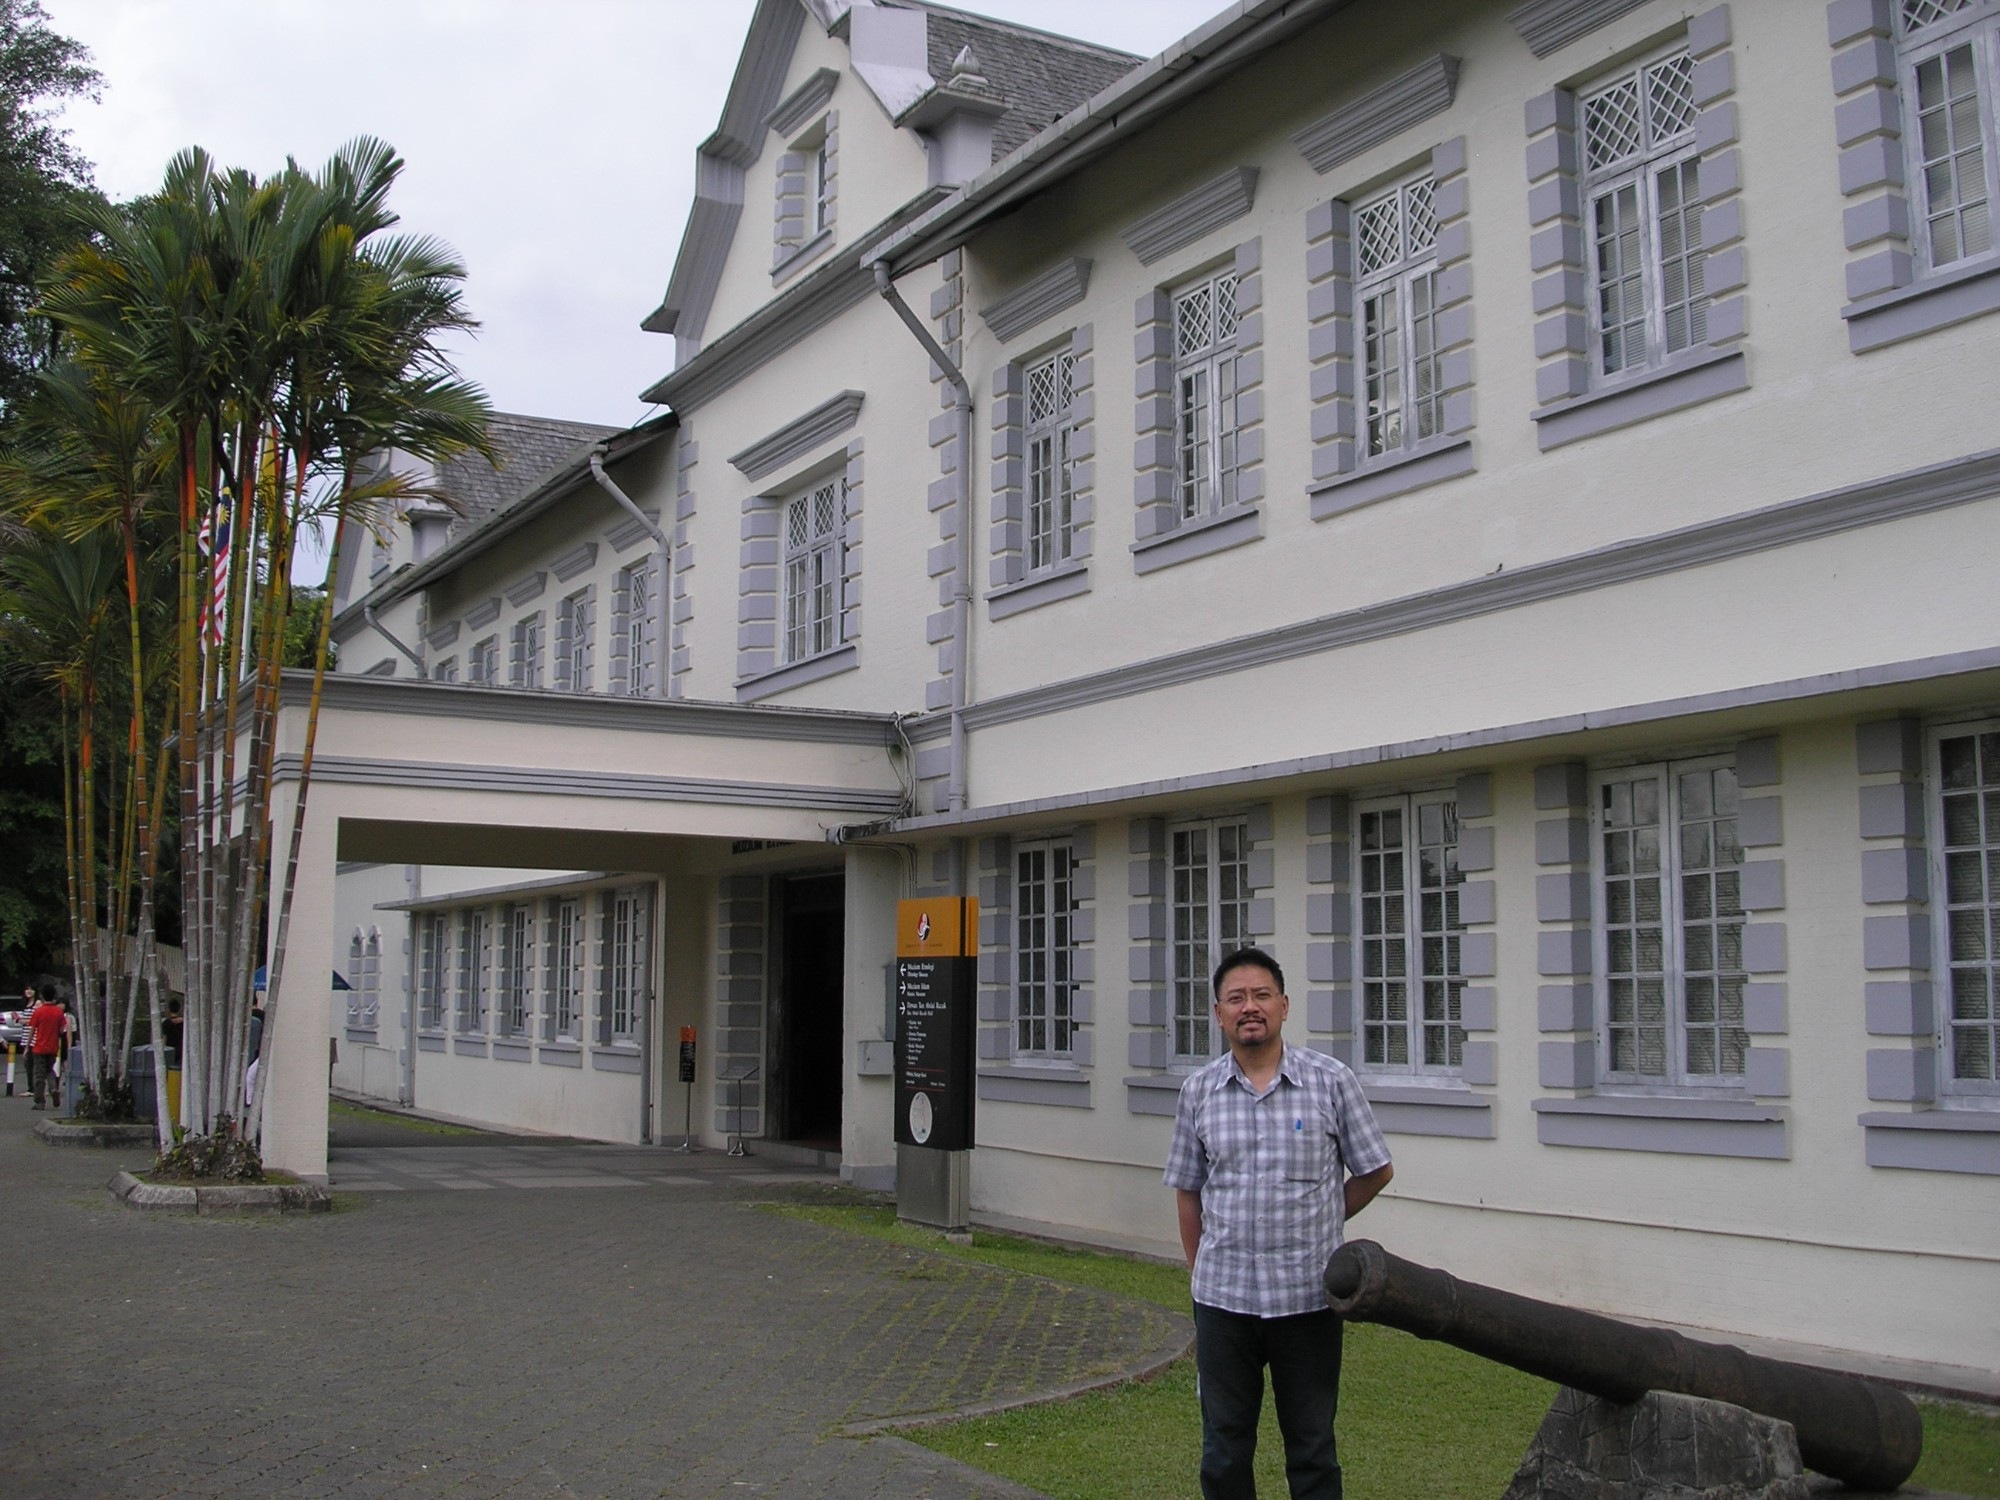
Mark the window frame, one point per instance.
(575, 623)
(627, 937)
(1676, 1078)
(516, 1010)
(1416, 1025)
(482, 662)
(1207, 460)
(1408, 281)
(1641, 168)
(1968, 1091)
(446, 670)
(634, 627)
(1190, 1000)
(822, 628)
(1977, 28)
(474, 989)
(433, 966)
(1048, 482)
(569, 956)
(524, 670)
(1045, 950)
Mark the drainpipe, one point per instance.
(961, 602)
(661, 612)
(368, 614)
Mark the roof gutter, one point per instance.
(961, 594)
(1191, 66)
(659, 605)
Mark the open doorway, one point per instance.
(807, 1027)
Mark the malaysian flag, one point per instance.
(213, 539)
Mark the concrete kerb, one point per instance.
(234, 1198)
(100, 1134)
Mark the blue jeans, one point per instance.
(1231, 1351)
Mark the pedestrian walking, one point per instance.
(48, 1025)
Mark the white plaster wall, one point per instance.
(1814, 418)
(881, 168)
(1818, 1248)
(866, 349)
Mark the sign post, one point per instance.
(687, 1077)
(936, 1047)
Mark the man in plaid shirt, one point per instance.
(1263, 1139)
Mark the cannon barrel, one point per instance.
(1852, 1429)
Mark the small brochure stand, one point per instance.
(738, 1075)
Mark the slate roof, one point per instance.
(526, 451)
(1042, 76)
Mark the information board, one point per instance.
(935, 1047)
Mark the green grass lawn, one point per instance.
(1416, 1418)
(360, 1114)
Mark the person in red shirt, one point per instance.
(47, 1025)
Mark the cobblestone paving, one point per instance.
(538, 1337)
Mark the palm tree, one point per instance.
(277, 333)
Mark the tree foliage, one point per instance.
(42, 182)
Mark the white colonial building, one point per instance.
(1491, 501)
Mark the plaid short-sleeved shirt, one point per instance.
(1269, 1170)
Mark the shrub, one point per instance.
(224, 1156)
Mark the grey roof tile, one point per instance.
(526, 451)
(1042, 76)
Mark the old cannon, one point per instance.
(1852, 1429)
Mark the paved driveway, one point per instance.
(485, 1317)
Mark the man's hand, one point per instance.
(1188, 1205)
(1360, 1191)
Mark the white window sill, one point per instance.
(1392, 474)
(1689, 380)
(1064, 581)
(1203, 537)
(1440, 1106)
(1676, 1125)
(798, 673)
(1964, 1138)
(795, 259)
(1939, 300)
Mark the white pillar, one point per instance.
(296, 1031)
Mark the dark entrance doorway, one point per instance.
(807, 1006)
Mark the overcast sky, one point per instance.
(550, 142)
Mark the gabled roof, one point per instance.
(1038, 74)
(525, 450)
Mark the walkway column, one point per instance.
(295, 1070)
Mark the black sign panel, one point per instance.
(936, 1039)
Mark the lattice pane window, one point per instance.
(1396, 235)
(1205, 417)
(1209, 917)
(1643, 190)
(576, 618)
(822, 169)
(566, 956)
(1951, 148)
(354, 959)
(371, 979)
(1044, 953)
(482, 662)
(431, 970)
(1917, 14)
(517, 971)
(1051, 537)
(812, 570)
(626, 942)
(524, 652)
(1412, 989)
(473, 975)
(634, 627)
(1671, 925)
(446, 670)
(1968, 816)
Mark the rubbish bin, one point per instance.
(145, 1085)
